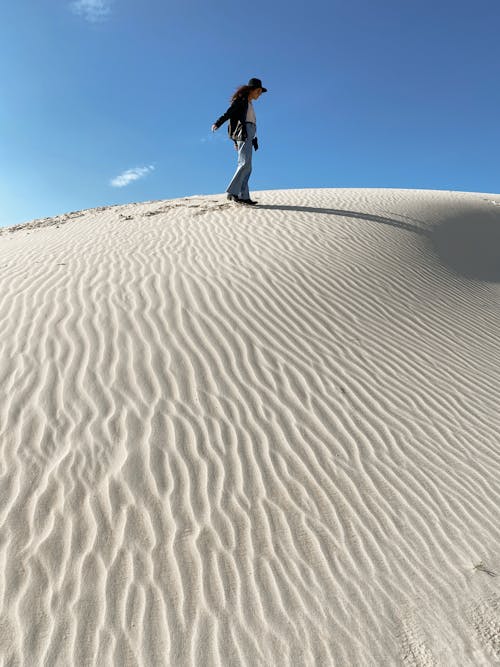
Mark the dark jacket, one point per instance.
(236, 115)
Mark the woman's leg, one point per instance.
(245, 193)
(243, 169)
(239, 182)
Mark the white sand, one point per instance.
(235, 436)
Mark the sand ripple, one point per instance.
(266, 436)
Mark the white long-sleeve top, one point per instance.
(251, 113)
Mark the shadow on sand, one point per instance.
(468, 244)
(350, 214)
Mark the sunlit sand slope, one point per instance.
(252, 436)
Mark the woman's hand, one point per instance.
(214, 128)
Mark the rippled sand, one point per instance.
(238, 436)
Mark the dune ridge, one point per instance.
(268, 436)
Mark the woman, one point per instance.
(242, 130)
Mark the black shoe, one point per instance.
(233, 197)
(249, 202)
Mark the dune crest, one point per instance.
(265, 436)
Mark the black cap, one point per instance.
(257, 83)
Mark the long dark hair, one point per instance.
(242, 91)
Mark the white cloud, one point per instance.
(92, 10)
(131, 175)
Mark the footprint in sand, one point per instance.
(414, 647)
(484, 617)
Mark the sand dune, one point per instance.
(237, 436)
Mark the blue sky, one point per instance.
(111, 101)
